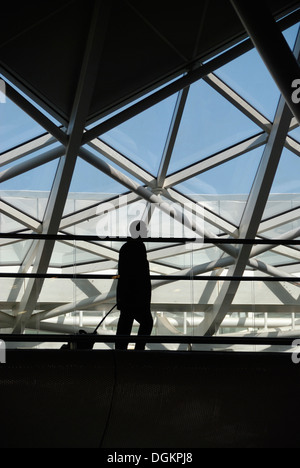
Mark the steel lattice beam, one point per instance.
(252, 216)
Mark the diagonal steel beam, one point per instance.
(151, 197)
(145, 193)
(91, 212)
(244, 106)
(32, 163)
(230, 249)
(280, 219)
(25, 149)
(216, 160)
(59, 193)
(181, 83)
(148, 180)
(254, 208)
(252, 215)
(239, 102)
(172, 135)
(124, 180)
(248, 110)
(121, 161)
(173, 88)
(35, 114)
(293, 145)
(20, 216)
(272, 47)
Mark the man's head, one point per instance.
(138, 229)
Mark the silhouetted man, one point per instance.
(134, 287)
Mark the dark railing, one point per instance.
(171, 240)
(288, 279)
(87, 340)
(169, 339)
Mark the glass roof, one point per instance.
(198, 168)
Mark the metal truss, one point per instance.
(67, 143)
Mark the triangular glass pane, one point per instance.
(285, 191)
(88, 179)
(13, 254)
(90, 186)
(142, 138)
(8, 224)
(250, 78)
(16, 127)
(30, 203)
(295, 134)
(291, 35)
(209, 124)
(274, 259)
(38, 179)
(30, 191)
(225, 189)
(34, 185)
(67, 255)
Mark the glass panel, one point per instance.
(250, 78)
(258, 309)
(24, 201)
(30, 191)
(183, 260)
(280, 229)
(8, 224)
(225, 189)
(285, 190)
(275, 259)
(257, 88)
(295, 134)
(38, 179)
(142, 138)
(209, 124)
(90, 186)
(67, 255)
(88, 179)
(16, 127)
(291, 34)
(13, 253)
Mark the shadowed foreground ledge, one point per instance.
(109, 399)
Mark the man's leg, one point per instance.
(124, 328)
(146, 325)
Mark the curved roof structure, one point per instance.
(116, 110)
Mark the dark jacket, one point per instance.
(134, 285)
